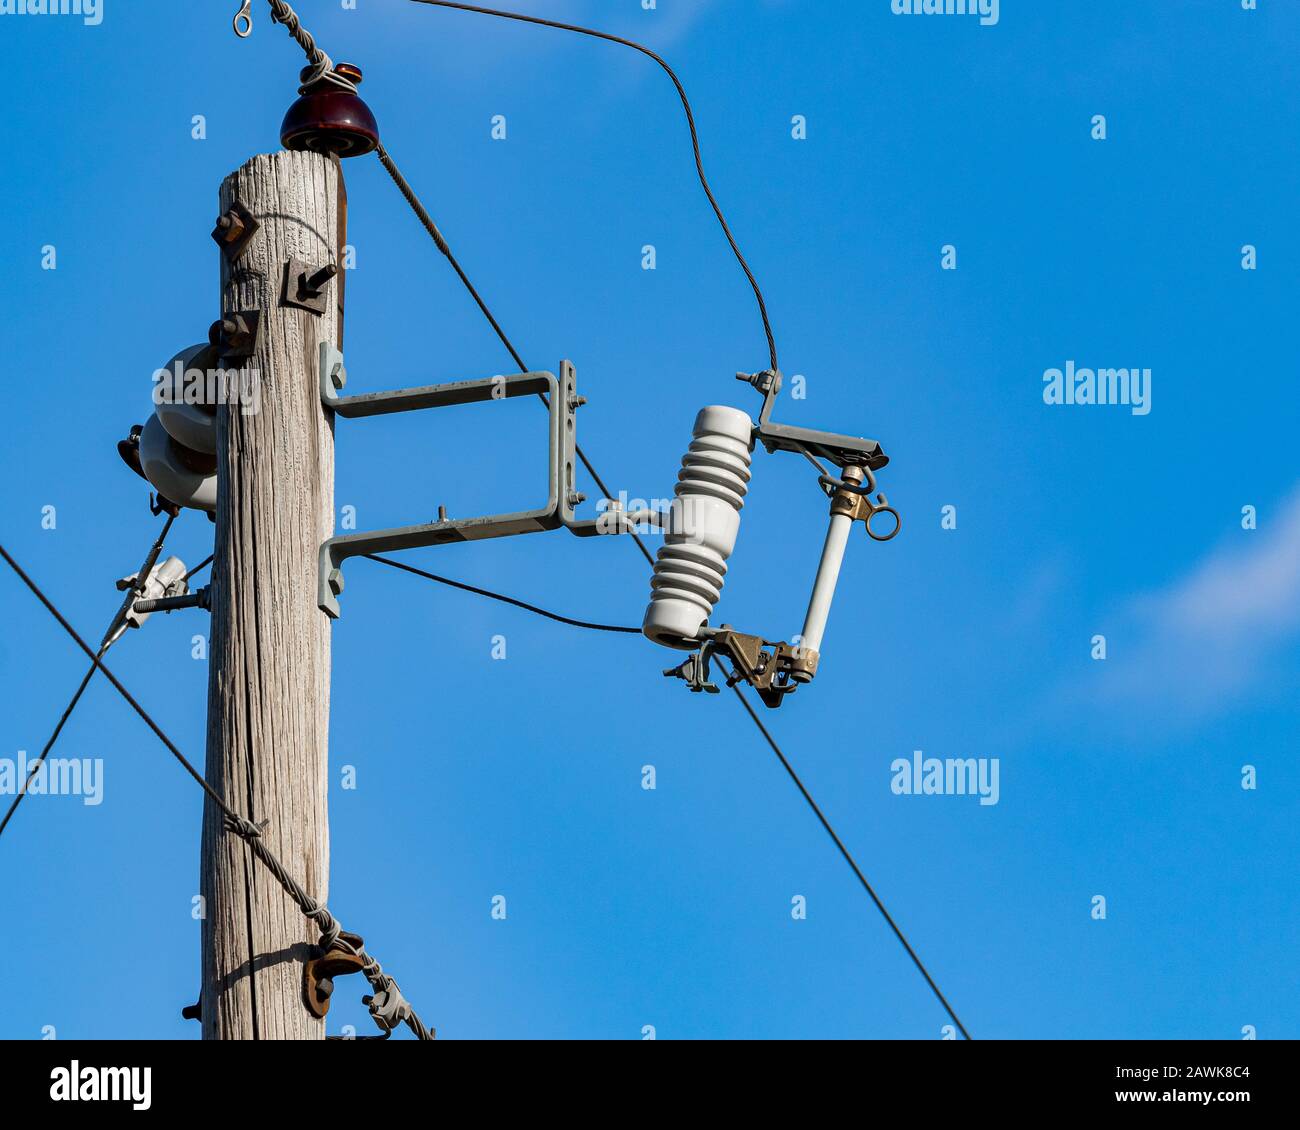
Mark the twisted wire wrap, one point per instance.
(387, 1006)
(322, 66)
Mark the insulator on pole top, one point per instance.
(331, 117)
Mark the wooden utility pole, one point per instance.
(269, 681)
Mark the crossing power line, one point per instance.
(115, 629)
(388, 1007)
(767, 735)
(413, 200)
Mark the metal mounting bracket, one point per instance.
(842, 450)
(558, 510)
(773, 674)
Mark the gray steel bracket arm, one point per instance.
(563, 401)
(842, 450)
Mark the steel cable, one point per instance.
(391, 1008)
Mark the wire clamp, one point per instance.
(388, 1008)
(694, 670)
(772, 673)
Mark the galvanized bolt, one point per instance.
(576, 401)
(336, 582)
(576, 497)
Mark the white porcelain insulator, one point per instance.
(164, 466)
(701, 528)
(187, 423)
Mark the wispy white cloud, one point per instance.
(1241, 596)
(673, 21)
(1212, 638)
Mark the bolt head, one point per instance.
(336, 582)
(230, 227)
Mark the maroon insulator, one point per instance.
(328, 118)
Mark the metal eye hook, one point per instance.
(244, 19)
(883, 508)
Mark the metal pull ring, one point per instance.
(883, 508)
(864, 510)
(244, 19)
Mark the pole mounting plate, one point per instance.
(305, 286)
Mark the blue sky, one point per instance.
(522, 777)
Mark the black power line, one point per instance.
(422, 214)
(441, 243)
(250, 832)
(387, 1006)
(690, 121)
(771, 741)
(767, 328)
(115, 629)
(99, 665)
(199, 567)
(498, 596)
(54, 737)
(849, 859)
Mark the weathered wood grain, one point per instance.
(269, 683)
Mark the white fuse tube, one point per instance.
(701, 528)
(828, 575)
